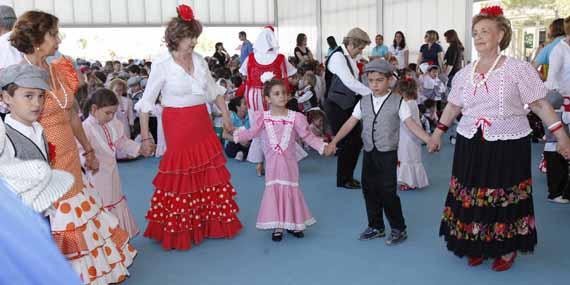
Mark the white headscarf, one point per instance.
(266, 42)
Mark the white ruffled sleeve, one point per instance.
(154, 85)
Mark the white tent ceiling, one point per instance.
(113, 13)
(316, 18)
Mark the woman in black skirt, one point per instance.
(489, 209)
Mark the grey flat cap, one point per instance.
(24, 75)
(7, 12)
(379, 65)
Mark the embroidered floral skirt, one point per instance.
(489, 209)
(193, 199)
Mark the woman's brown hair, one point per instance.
(179, 29)
(30, 30)
(504, 25)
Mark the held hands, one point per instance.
(148, 147)
(330, 149)
(434, 143)
(91, 162)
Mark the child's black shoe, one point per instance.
(277, 236)
(297, 234)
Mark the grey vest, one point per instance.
(381, 130)
(25, 148)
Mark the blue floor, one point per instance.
(330, 253)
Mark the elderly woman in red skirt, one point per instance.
(193, 197)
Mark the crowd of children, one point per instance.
(272, 114)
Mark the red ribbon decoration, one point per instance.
(482, 123)
(492, 11)
(185, 12)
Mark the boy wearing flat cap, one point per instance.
(23, 90)
(381, 114)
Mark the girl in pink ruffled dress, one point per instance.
(283, 206)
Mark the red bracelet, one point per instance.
(442, 127)
(556, 128)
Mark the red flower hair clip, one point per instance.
(492, 11)
(185, 13)
(408, 78)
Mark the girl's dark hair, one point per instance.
(453, 39)
(219, 44)
(236, 81)
(402, 44)
(300, 38)
(101, 98)
(407, 87)
(234, 103)
(332, 42)
(314, 115)
(269, 84)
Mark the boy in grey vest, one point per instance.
(23, 90)
(381, 114)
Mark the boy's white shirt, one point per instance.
(404, 112)
(34, 133)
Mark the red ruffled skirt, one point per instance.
(193, 199)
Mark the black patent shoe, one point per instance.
(277, 236)
(297, 234)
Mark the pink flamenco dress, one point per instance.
(106, 140)
(89, 236)
(283, 205)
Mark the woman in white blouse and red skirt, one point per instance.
(489, 210)
(193, 196)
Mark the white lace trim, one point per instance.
(281, 146)
(285, 225)
(282, 182)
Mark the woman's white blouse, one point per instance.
(178, 88)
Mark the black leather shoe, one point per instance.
(356, 182)
(351, 185)
(277, 236)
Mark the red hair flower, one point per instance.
(408, 78)
(51, 153)
(492, 11)
(185, 12)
